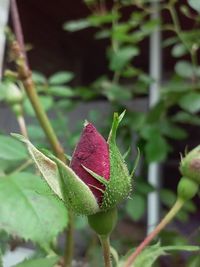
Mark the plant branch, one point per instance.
(17, 27)
(105, 243)
(169, 216)
(177, 27)
(18, 50)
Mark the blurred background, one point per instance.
(91, 58)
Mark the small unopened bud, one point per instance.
(13, 95)
(103, 222)
(187, 188)
(190, 165)
(17, 109)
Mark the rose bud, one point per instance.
(190, 165)
(13, 94)
(97, 178)
(190, 169)
(92, 152)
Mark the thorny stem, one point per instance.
(17, 27)
(169, 216)
(105, 243)
(18, 50)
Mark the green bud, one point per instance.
(92, 184)
(13, 95)
(103, 222)
(187, 188)
(190, 165)
(17, 109)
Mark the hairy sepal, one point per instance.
(46, 166)
(77, 195)
(119, 185)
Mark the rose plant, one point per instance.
(97, 178)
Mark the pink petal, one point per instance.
(92, 152)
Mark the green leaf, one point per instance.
(61, 91)
(38, 78)
(150, 26)
(184, 69)
(114, 92)
(150, 254)
(147, 257)
(156, 149)
(35, 132)
(184, 117)
(173, 131)
(194, 261)
(195, 4)
(46, 101)
(182, 248)
(168, 197)
(179, 50)
(38, 214)
(61, 77)
(149, 131)
(98, 20)
(11, 149)
(136, 207)
(40, 262)
(190, 102)
(123, 56)
(77, 25)
(102, 34)
(144, 188)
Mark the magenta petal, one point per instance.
(92, 152)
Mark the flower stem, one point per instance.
(69, 248)
(169, 216)
(105, 243)
(22, 125)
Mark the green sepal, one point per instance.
(125, 155)
(136, 162)
(63, 181)
(46, 166)
(99, 178)
(77, 195)
(119, 184)
(116, 121)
